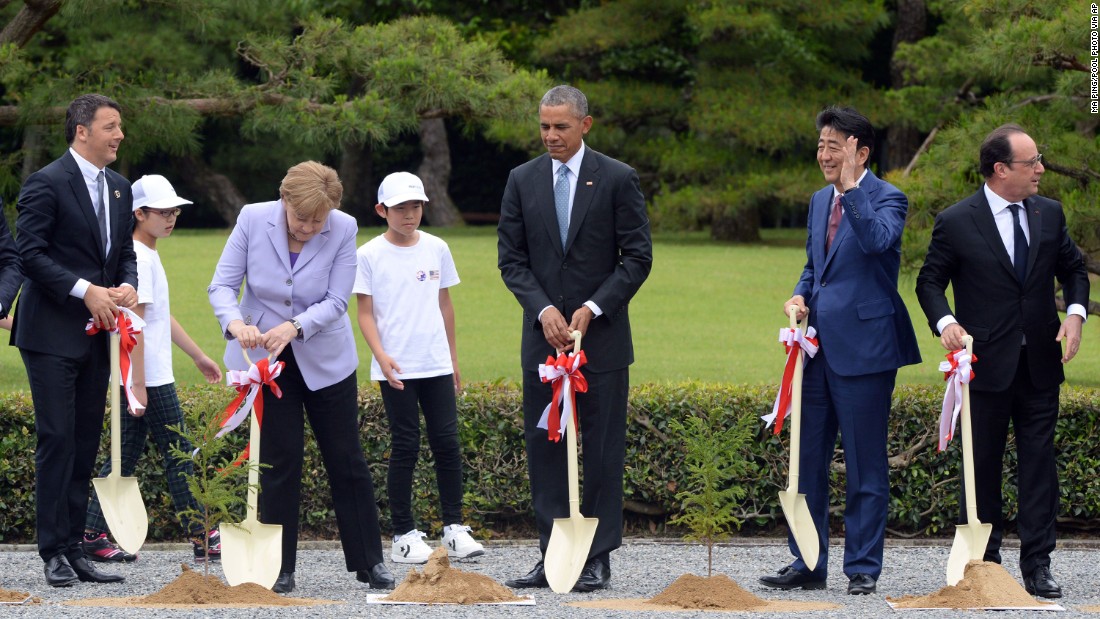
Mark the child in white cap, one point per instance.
(156, 210)
(402, 287)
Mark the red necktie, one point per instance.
(834, 222)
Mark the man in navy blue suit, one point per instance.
(75, 228)
(849, 289)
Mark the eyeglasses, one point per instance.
(167, 213)
(1031, 163)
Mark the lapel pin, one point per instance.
(118, 194)
(588, 183)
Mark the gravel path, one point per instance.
(639, 570)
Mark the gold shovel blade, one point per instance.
(969, 545)
(801, 523)
(252, 552)
(123, 509)
(566, 553)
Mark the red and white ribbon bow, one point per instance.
(565, 374)
(796, 343)
(249, 395)
(127, 326)
(957, 372)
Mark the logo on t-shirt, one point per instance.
(434, 275)
(421, 276)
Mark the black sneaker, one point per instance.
(214, 545)
(98, 548)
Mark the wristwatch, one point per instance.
(297, 325)
(851, 189)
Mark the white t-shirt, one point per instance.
(404, 285)
(152, 290)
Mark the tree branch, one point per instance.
(28, 21)
(1083, 174)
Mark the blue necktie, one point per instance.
(1019, 248)
(561, 202)
(100, 212)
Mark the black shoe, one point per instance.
(790, 578)
(377, 577)
(536, 578)
(87, 572)
(284, 583)
(861, 584)
(1042, 583)
(59, 573)
(595, 575)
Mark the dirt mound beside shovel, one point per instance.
(440, 583)
(984, 585)
(193, 590)
(17, 597)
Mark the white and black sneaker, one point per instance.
(410, 548)
(459, 543)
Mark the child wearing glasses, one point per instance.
(156, 209)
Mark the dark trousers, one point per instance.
(162, 411)
(333, 414)
(859, 408)
(602, 449)
(69, 398)
(436, 396)
(1033, 413)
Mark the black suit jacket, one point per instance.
(59, 243)
(990, 303)
(11, 270)
(608, 254)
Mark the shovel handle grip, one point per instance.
(576, 335)
(968, 343)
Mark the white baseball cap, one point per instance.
(401, 187)
(154, 191)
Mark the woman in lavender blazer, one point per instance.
(296, 260)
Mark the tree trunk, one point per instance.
(28, 21)
(902, 142)
(435, 171)
(214, 187)
(740, 226)
(357, 175)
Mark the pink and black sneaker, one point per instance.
(98, 548)
(214, 543)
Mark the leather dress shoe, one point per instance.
(536, 578)
(861, 584)
(87, 572)
(790, 578)
(1042, 583)
(377, 577)
(595, 575)
(284, 583)
(59, 573)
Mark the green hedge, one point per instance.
(924, 493)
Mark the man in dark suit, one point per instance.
(11, 269)
(849, 288)
(574, 248)
(1001, 261)
(74, 237)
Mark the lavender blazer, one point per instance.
(315, 290)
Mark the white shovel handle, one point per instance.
(796, 410)
(253, 455)
(968, 446)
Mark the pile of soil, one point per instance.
(442, 584)
(192, 589)
(984, 585)
(690, 592)
(716, 592)
(17, 597)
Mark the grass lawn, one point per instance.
(709, 312)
